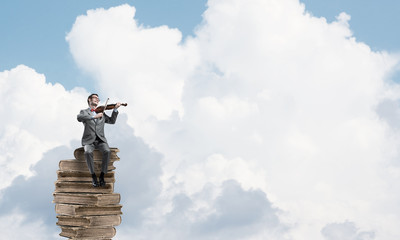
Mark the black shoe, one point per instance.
(94, 180)
(102, 181)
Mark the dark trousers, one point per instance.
(103, 147)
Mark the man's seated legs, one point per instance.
(89, 161)
(104, 148)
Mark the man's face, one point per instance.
(94, 100)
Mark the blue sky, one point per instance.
(373, 22)
(246, 119)
(34, 32)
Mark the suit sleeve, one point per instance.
(112, 119)
(82, 116)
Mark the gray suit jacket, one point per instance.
(94, 128)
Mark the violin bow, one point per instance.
(105, 105)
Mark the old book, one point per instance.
(80, 232)
(74, 165)
(83, 210)
(86, 212)
(87, 198)
(97, 155)
(82, 187)
(90, 238)
(89, 221)
(74, 176)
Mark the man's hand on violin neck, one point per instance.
(117, 105)
(99, 115)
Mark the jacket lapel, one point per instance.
(90, 114)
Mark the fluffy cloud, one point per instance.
(132, 52)
(234, 214)
(345, 231)
(38, 116)
(264, 95)
(268, 123)
(16, 226)
(26, 206)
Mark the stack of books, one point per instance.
(84, 211)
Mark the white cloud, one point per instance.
(271, 124)
(232, 214)
(263, 87)
(345, 231)
(16, 226)
(27, 203)
(132, 52)
(37, 116)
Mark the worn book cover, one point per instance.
(89, 221)
(74, 165)
(95, 232)
(82, 187)
(87, 198)
(74, 176)
(83, 210)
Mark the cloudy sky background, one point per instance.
(261, 119)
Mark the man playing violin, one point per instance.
(93, 136)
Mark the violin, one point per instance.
(100, 109)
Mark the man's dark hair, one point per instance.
(90, 96)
